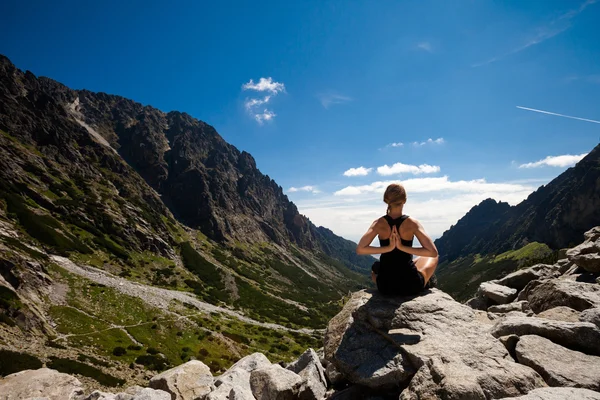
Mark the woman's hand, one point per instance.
(394, 240)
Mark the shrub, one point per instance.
(152, 350)
(119, 351)
(135, 347)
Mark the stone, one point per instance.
(564, 265)
(40, 383)
(591, 315)
(238, 376)
(593, 234)
(334, 376)
(274, 383)
(510, 342)
(557, 393)
(580, 336)
(557, 365)
(560, 313)
(309, 368)
(478, 302)
(586, 255)
(562, 292)
(498, 293)
(520, 278)
(227, 391)
(185, 382)
(522, 306)
(382, 342)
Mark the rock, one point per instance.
(497, 293)
(580, 336)
(41, 383)
(227, 391)
(591, 315)
(333, 375)
(187, 381)
(238, 376)
(519, 279)
(510, 342)
(587, 254)
(522, 306)
(556, 393)
(560, 313)
(148, 394)
(478, 302)
(528, 288)
(557, 365)
(308, 366)
(561, 292)
(380, 342)
(593, 234)
(564, 265)
(274, 383)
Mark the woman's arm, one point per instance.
(428, 249)
(364, 245)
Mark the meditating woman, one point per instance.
(396, 273)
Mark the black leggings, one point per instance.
(401, 288)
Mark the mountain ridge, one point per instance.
(557, 214)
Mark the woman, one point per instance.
(396, 273)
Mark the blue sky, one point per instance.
(342, 81)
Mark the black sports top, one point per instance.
(398, 273)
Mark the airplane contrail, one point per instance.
(559, 115)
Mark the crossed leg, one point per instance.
(426, 266)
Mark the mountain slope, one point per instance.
(152, 199)
(557, 214)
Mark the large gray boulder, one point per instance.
(188, 381)
(522, 306)
(309, 368)
(134, 393)
(558, 365)
(519, 279)
(591, 315)
(275, 383)
(41, 383)
(560, 313)
(562, 292)
(558, 393)
(383, 342)
(587, 254)
(237, 378)
(580, 336)
(497, 293)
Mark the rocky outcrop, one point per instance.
(557, 365)
(556, 393)
(520, 278)
(561, 313)
(275, 383)
(562, 292)
(133, 393)
(499, 294)
(41, 383)
(587, 254)
(384, 343)
(188, 381)
(309, 368)
(591, 315)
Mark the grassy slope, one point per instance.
(462, 277)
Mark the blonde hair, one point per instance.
(394, 195)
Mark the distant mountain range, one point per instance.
(556, 214)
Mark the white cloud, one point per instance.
(437, 203)
(266, 115)
(253, 105)
(426, 185)
(425, 46)
(360, 171)
(308, 188)
(328, 99)
(399, 168)
(430, 141)
(264, 84)
(555, 161)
